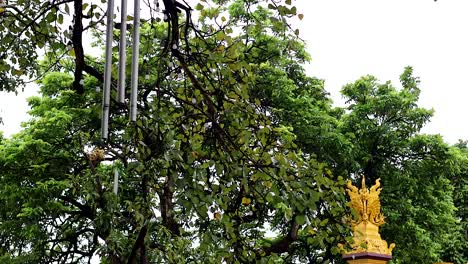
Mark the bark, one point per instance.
(77, 40)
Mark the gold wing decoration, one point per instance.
(366, 236)
(366, 202)
(373, 205)
(355, 200)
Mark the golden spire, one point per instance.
(366, 203)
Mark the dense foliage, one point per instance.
(416, 170)
(207, 173)
(237, 155)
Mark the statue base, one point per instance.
(367, 258)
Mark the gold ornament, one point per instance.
(366, 203)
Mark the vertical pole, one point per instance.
(107, 70)
(135, 56)
(116, 180)
(122, 52)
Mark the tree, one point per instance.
(383, 124)
(459, 241)
(295, 100)
(235, 155)
(57, 28)
(205, 172)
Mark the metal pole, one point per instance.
(122, 52)
(107, 70)
(116, 180)
(135, 56)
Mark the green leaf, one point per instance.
(60, 19)
(301, 219)
(199, 7)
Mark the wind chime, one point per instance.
(122, 67)
(122, 62)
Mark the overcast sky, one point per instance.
(351, 38)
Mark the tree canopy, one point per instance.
(415, 169)
(237, 156)
(205, 173)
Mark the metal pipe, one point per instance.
(135, 57)
(107, 70)
(122, 52)
(116, 180)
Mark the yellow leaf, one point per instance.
(221, 48)
(246, 201)
(217, 215)
(301, 16)
(311, 231)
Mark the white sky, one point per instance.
(351, 38)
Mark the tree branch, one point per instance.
(139, 243)
(77, 40)
(283, 245)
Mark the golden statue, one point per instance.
(366, 203)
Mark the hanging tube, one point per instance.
(107, 70)
(122, 52)
(116, 180)
(135, 55)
